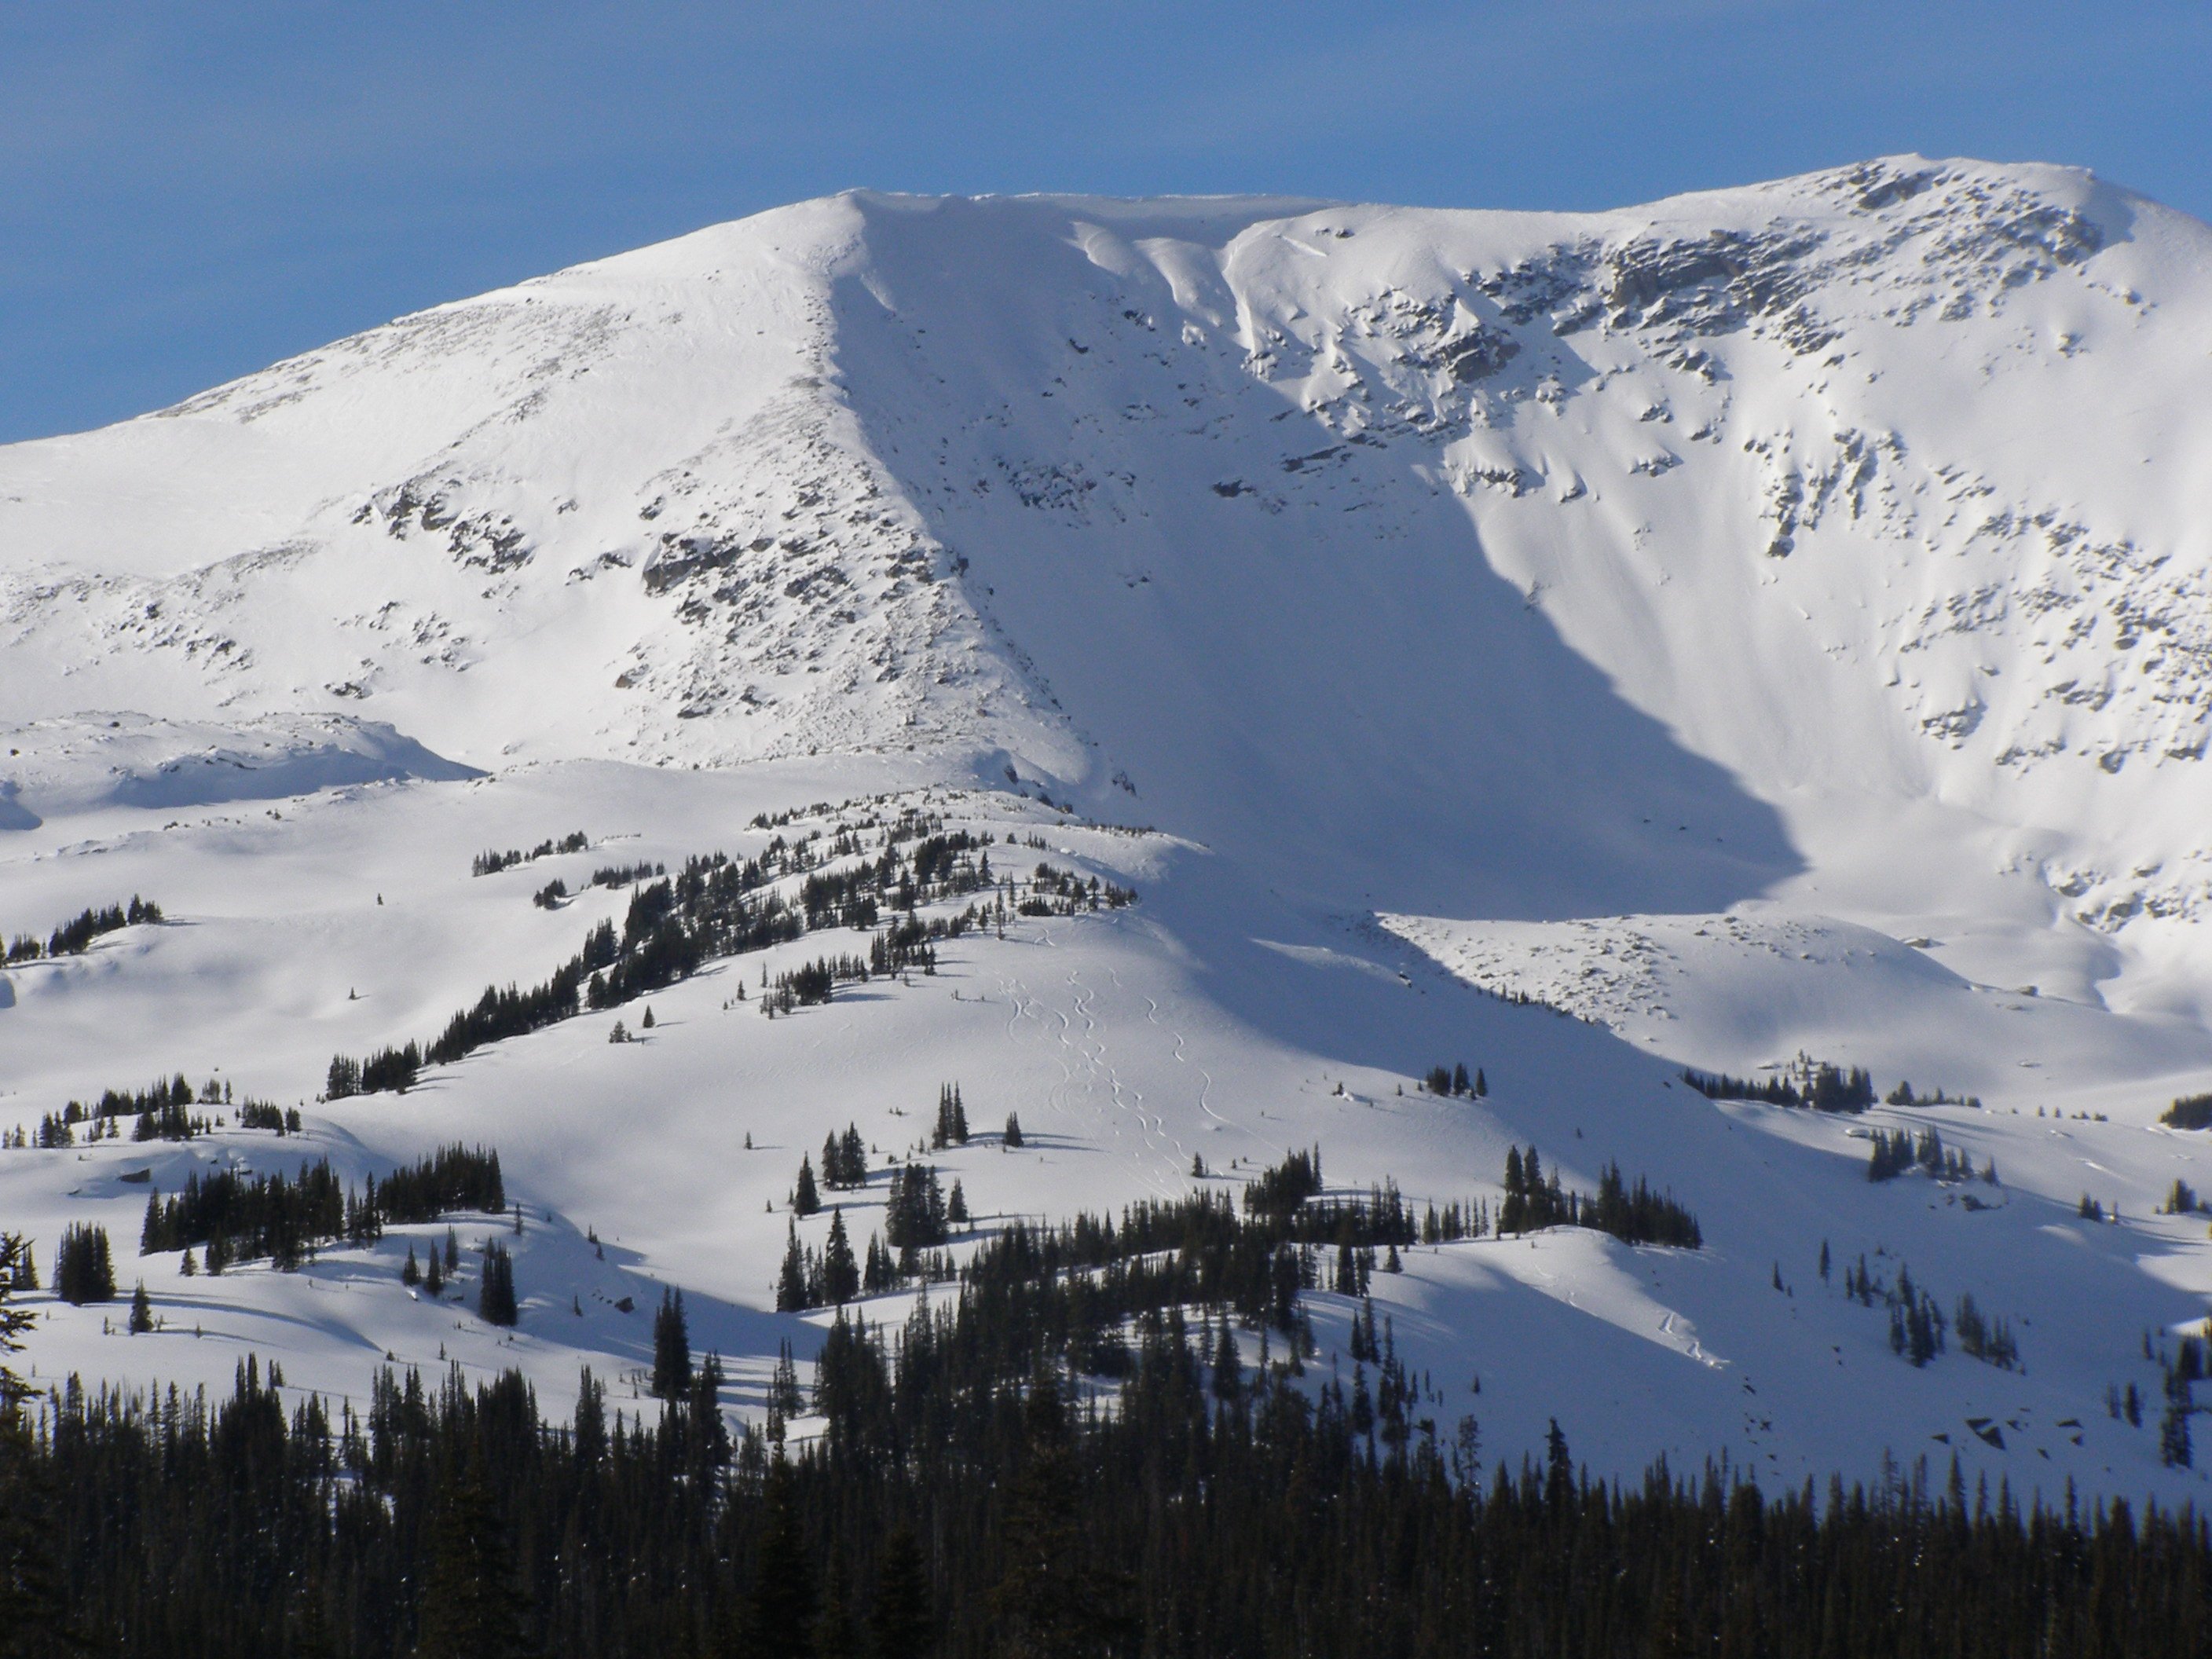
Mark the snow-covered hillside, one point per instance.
(1763, 622)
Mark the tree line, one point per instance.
(972, 1493)
(1818, 1084)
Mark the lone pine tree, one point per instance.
(671, 1348)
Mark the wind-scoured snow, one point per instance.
(1764, 621)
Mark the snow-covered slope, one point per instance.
(1765, 620)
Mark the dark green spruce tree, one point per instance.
(779, 1608)
(1058, 1599)
(472, 1607)
(898, 1620)
(671, 1348)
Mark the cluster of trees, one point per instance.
(717, 907)
(952, 1128)
(75, 935)
(443, 1266)
(387, 1070)
(1055, 892)
(1917, 1326)
(812, 1278)
(1916, 1323)
(944, 865)
(1903, 1095)
(267, 1114)
(241, 1217)
(809, 985)
(1453, 1082)
(495, 1303)
(1634, 1215)
(624, 875)
(1815, 1083)
(1278, 1190)
(671, 1348)
(2182, 1372)
(84, 1265)
(844, 1160)
(492, 862)
(1896, 1151)
(961, 1502)
(2183, 1198)
(1456, 1220)
(1980, 1337)
(163, 1111)
(2189, 1112)
(916, 1214)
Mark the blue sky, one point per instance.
(188, 192)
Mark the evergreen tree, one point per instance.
(899, 1620)
(1058, 1599)
(779, 1615)
(1481, 1085)
(495, 1302)
(952, 1128)
(804, 1200)
(791, 1283)
(434, 1282)
(19, 1266)
(410, 1275)
(84, 1266)
(835, 1635)
(2173, 1448)
(141, 1311)
(32, 1597)
(470, 1607)
(591, 1436)
(840, 1274)
(1228, 1366)
(671, 1348)
(955, 1207)
(1013, 1130)
(16, 1269)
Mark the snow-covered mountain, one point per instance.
(1767, 620)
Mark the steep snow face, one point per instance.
(1831, 537)
(1462, 563)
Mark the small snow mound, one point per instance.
(87, 763)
